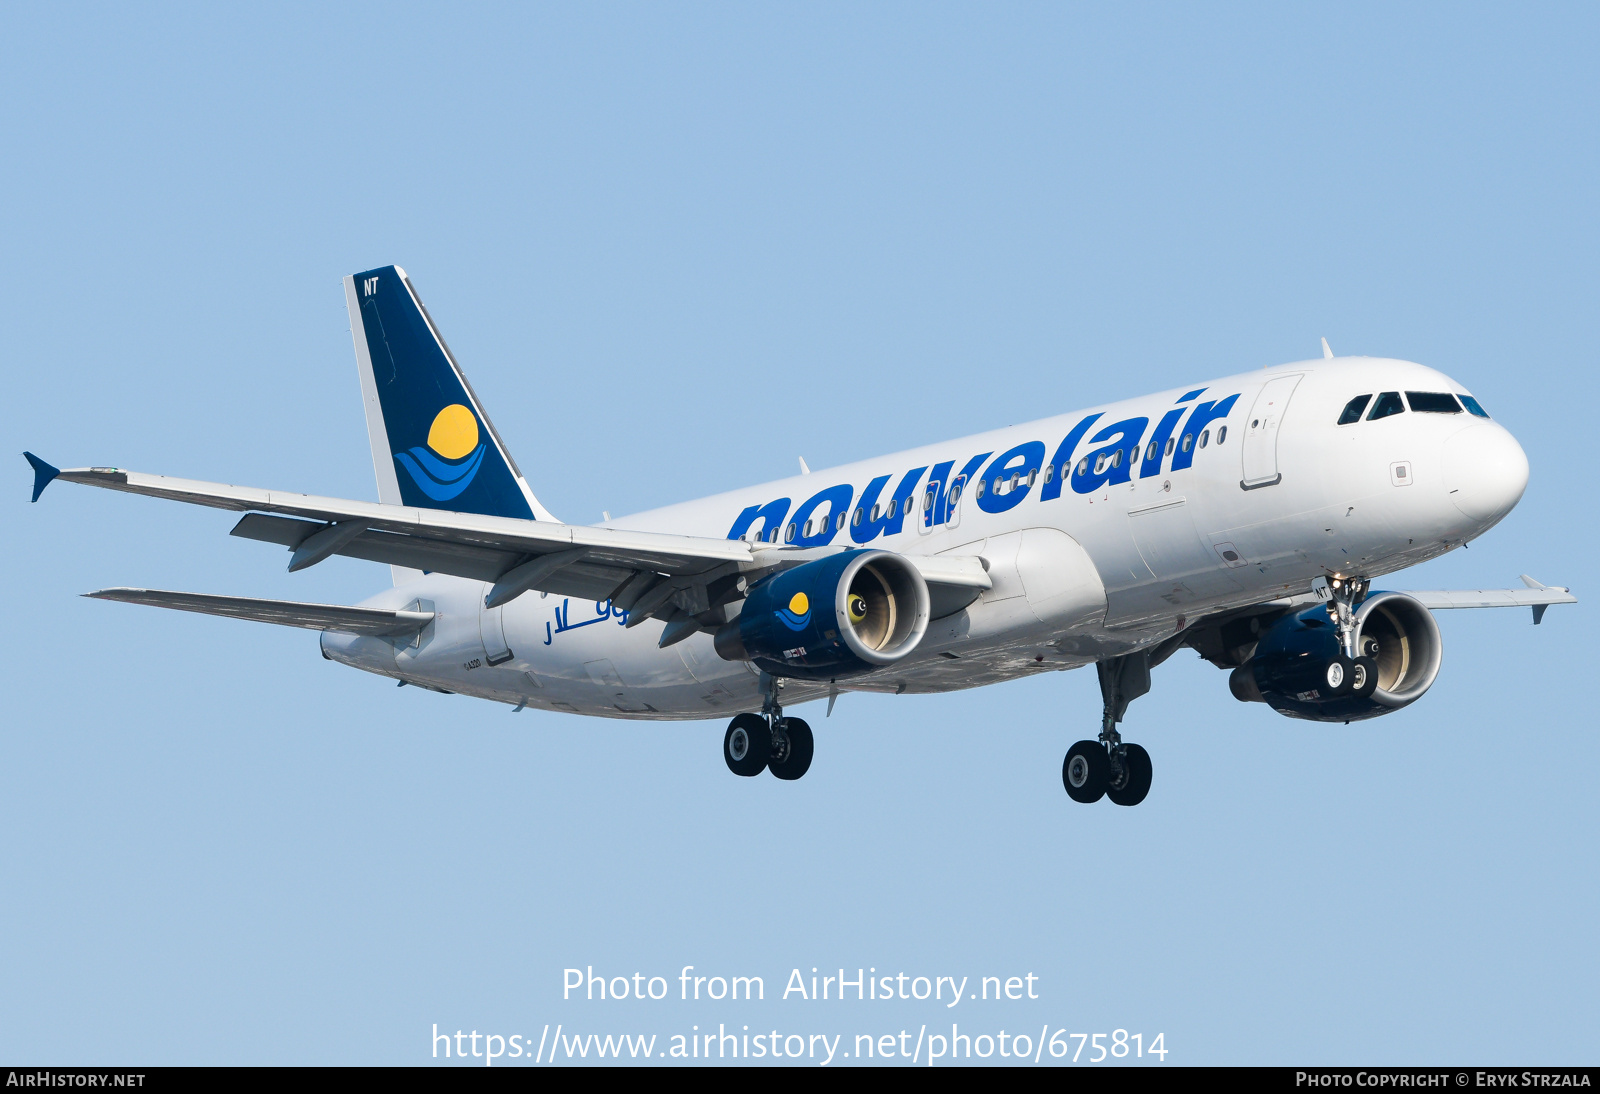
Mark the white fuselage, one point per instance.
(1100, 563)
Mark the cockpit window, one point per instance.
(1472, 406)
(1353, 409)
(1433, 402)
(1388, 403)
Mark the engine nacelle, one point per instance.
(1289, 670)
(842, 615)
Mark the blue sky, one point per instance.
(676, 248)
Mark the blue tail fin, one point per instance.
(433, 446)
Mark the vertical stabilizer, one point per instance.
(433, 445)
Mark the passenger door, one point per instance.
(1260, 455)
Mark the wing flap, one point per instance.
(287, 613)
(586, 579)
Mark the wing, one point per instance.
(1535, 595)
(644, 573)
(289, 613)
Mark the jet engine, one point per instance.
(842, 615)
(1300, 671)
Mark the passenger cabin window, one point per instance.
(1222, 434)
(1472, 407)
(1353, 409)
(1433, 402)
(1388, 403)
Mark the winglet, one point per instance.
(43, 473)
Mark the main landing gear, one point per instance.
(768, 741)
(1109, 768)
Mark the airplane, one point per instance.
(1244, 518)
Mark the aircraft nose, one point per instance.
(1485, 471)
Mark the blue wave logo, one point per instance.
(797, 616)
(446, 466)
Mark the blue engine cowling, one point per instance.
(1287, 670)
(842, 615)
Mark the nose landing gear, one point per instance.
(768, 741)
(1359, 657)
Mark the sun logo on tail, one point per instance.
(446, 466)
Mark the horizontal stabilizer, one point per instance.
(289, 613)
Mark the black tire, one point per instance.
(1364, 677)
(1086, 771)
(1338, 677)
(747, 745)
(796, 747)
(1137, 763)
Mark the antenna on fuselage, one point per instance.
(1327, 353)
(804, 470)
